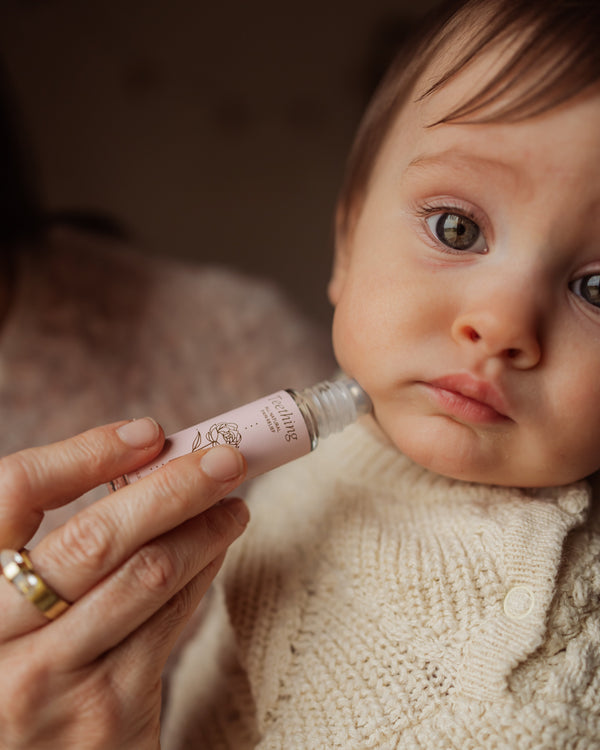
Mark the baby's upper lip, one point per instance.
(474, 388)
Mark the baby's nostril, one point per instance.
(473, 335)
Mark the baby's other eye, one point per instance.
(588, 288)
(457, 232)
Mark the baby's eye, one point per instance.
(457, 232)
(588, 288)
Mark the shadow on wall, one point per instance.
(215, 133)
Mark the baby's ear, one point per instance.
(334, 288)
(341, 258)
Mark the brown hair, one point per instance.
(556, 56)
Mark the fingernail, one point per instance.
(238, 509)
(222, 463)
(139, 433)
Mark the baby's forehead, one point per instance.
(562, 145)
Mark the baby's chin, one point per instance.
(457, 452)
(428, 445)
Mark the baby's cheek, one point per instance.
(347, 340)
(576, 433)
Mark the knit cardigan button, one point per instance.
(518, 602)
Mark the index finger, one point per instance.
(38, 479)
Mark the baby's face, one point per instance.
(468, 292)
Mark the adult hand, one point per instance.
(134, 565)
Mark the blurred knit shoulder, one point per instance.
(98, 331)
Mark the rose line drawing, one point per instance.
(220, 433)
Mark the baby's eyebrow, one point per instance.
(458, 159)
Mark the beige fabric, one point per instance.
(373, 604)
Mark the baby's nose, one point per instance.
(503, 333)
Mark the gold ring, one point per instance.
(17, 568)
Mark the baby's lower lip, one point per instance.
(462, 407)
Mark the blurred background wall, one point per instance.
(213, 131)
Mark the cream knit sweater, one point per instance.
(372, 604)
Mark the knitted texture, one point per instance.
(374, 604)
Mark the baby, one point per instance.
(430, 578)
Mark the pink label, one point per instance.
(269, 432)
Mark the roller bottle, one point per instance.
(270, 431)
